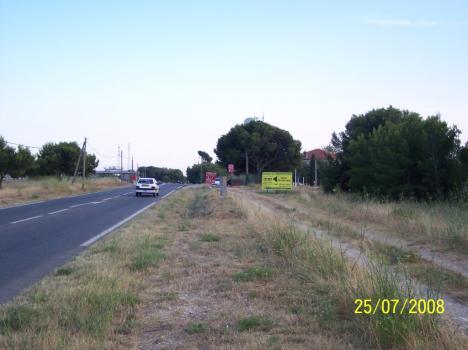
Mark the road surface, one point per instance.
(37, 238)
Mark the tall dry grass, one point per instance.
(440, 223)
(331, 283)
(14, 192)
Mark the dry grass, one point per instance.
(328, 283)
(15, 192)
(200, 271)
(369, 228)
(215, 289)
(442, 225)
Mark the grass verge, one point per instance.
(16, 192)
(329, 284)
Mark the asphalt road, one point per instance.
(37, 238)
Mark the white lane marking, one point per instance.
(78, 205)
(116, 196)
(112, 228)
(106, 199)
(58, 211)
(31, 218)
(72, 196)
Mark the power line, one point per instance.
(98, 153)
(36, 147)
(19, 144)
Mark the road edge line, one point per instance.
(120, 223)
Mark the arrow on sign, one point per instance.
(275, 178)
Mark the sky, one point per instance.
(170, 77)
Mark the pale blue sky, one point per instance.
(171, 77)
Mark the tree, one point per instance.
(60, 159)
(7, 160)
(193, 172)
(23, 162)
(463, 157)
(303, 173)
(91, 164)
(162, 174)
(394, 153)
(205, 157)
(259, 146)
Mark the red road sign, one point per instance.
(210, 178)
(230, 168)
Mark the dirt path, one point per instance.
(448, 261)
(458, 311)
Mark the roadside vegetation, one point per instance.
(329, 281)
(223, 273)
(29, 190)
(413, 237)
(440, 224)
(392, 153)
(52, 159)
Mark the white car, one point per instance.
(147, 185)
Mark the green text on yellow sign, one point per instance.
(276, 181)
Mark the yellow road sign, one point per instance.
(276, 181)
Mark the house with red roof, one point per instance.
(320, 154)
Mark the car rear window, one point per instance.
(145, 181)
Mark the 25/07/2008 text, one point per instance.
(391, 306)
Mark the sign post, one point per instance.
(276, 181)
(210, 178)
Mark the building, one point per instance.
(320, 154)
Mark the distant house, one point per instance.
(319, 154)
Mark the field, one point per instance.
(15, 192)
(239, 272)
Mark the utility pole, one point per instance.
(128, 157)
(84, 164)
(78, 162)
(247, 167)
(132, 164)
(118, 156)
(316, 179)
(121, 165)
(201, 171)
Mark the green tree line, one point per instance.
(162, 174)
(197, 172)
(58, 159)
(396, 153)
